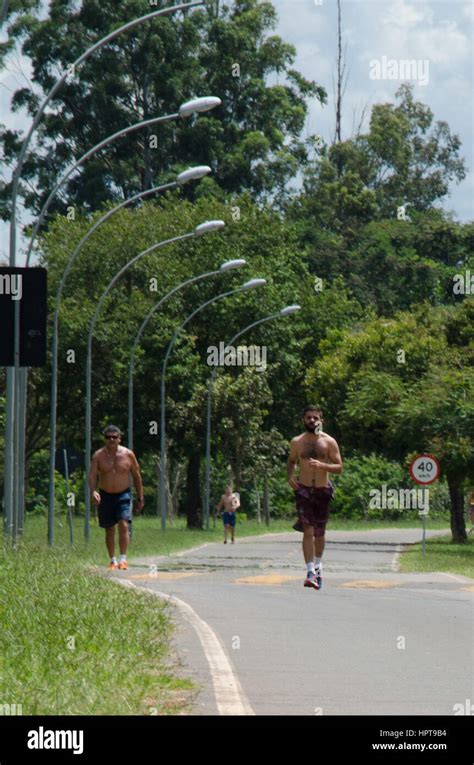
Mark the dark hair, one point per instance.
(312, 408)
(112, 429)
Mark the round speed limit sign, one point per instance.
(425, 469)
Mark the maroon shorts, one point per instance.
(312, 504)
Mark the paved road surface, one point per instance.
(373, 641)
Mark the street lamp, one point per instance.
(207, 485)
(192, 173)
(12, 420)
(227, 266)
(203, 228)
(248, 285)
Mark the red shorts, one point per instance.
(312, 504)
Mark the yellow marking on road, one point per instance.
(375, 584)
(266, 579)
(468, 589)
(163, 575)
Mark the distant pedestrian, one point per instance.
(230, 503)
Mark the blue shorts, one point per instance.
(114, 508)
(229, 519)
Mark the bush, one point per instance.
(362, 474)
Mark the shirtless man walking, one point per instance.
(112, 465)
(230, 502)
(317, 454)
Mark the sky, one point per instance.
(380, 37)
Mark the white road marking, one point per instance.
(395, 561)
(230, 697)
(456, 578)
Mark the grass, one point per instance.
(441, 555)
(73, 643)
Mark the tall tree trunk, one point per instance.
(266, 500)
(193, 504)
(259, 515)
(458, 524)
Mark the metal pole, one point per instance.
(22, 455)
(69, 511)
(207, 480)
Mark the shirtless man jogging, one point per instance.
(230, 502)
(112, 464)
(317, 455)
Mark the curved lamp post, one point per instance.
(207, 486)
(192, 173)
(227, 266)
(248, 285)
(200, 230)
(12, 423)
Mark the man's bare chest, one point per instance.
(317, 449)
(117, 463)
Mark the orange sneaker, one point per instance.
(123, 566)
(112, 566)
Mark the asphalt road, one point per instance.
(372, 641)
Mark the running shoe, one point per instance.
(319, 580)
(112, 566)
(123, 565)
(311, 580)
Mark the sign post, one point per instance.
(424, 469)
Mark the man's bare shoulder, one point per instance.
(297, 439)
(98, 453)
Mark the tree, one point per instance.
(251, 142)
(406, 385)
(403, 160)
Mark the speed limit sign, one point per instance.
(425, 469)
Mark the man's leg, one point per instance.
(123, 536)
(226, 528)
(308, 543)
(232, 532)
(110, 541)
(319, 546)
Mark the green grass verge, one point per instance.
(441, 555)
(74, 643)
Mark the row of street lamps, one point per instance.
(17, 377)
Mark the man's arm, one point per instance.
(220, 505)
(335, 461)
(92, 478)
(291, 464)
(137, 480)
